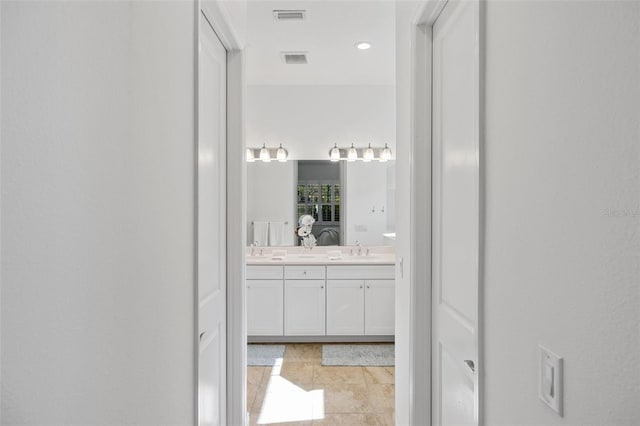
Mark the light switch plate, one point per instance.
(550, 379)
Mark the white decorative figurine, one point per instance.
(305, 225)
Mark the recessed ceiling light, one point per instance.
(363, 45)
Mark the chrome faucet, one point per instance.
(359, 248)
(253, 248)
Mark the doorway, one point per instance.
(321, 204)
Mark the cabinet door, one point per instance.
(304, 304)
(265, 308)
(379, 307)
(345, 307)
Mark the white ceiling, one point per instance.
(328, 33)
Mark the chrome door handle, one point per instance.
(470, 365)
(202, 335)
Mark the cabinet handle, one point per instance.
(304, 272)
(368, 286)
(321, 286)
(360, 286)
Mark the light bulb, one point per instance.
(264, 154)
(281, 154)
(334, 154)
(368, 154)
(352, 155)
(386, 154)
(249, 155)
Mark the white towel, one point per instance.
(276, 234)
(261, 233)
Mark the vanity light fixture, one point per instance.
(334, 154)
(249, 155)
(385, 155)
(363, 45)
(352, 155)
(264, 154)
(368, 154)
(281, 154)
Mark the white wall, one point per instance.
(366, 203)
(271, 196)
(307, 120)
(97, 213)
(562, 199)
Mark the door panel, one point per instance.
(345, 307)
(211, 231)
(265, 308)
(455, 214)
(379, 308)
(304, 308)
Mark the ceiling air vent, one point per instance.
(294, 58)
(289, 15)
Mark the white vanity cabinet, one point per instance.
(379, 307)
(345, 307)
(357, 306)
(265, 300)
(304, 300)
(315, 302)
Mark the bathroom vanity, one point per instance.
(308, 297)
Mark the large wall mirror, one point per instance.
(350, 201)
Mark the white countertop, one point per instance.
(320, 256)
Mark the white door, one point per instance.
(211, 233)
(379, 307)
(265, 308)
(345, 307)
(304, 308)
(455, 214)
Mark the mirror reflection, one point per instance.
(349, 203)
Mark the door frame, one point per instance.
(421, 144)
(222, 24)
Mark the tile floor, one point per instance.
(303, 392)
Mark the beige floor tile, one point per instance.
(254, 374)
(337, 375)
(344, 398)
(303, 352)
(252, 391)
(339, 395)
(352, 419)
(284, 402)
(257, 400)
(254, 421)
(381, 397)
(379, 375)
(297, 371)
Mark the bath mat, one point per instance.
(374, 355)
(269, 355)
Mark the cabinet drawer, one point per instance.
(264, 272)
(361, 272)
(304, 272)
